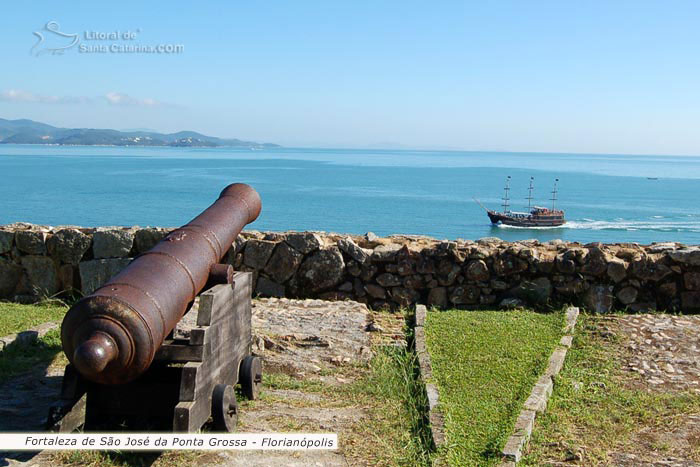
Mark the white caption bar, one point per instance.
(169, 441)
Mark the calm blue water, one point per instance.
(606, 197)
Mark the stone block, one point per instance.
(94, 273)
(535, 291)
(648, 269)
(348, 246)
(421, 315)
(513, 450)
(67, 277)
(359, 288)
(368, 271)
(539, 396)
(556, 361)
(689, 256)
(283, 263)
(68, 245)
(465, 295)
(565, 265)
(627, 295)
(385, 253)
(31, 242)
(668, 289)
(477, 270)
(690, 301)
(388, 280)
(403, 296)
(257, 253)
(375, 291)
(6, 240)
(617, 269)
(146, 238)
(304, 242)
(437, 297)
(433, 396)
(506, 265)
(10, 275)
(42, 275)
(268, 288)
(320, 271)
(112, 243)
(691, 280)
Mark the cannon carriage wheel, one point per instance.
(224, 408)
(250, 376)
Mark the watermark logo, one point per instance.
(52, 41)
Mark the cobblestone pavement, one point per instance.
(664, 350)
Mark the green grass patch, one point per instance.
(485, 364)
(597, 408)
(400, 430)
(15, 317)
(396, 434)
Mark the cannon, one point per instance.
(124, 357)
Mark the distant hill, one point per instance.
(31, 132)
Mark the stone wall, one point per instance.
(382, 272)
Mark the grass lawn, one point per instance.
(15, 317)
(598, 408)
(485, 364)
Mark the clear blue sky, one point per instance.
(594, 76)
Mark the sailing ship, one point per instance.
(536, 216)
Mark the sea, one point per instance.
(606, 197)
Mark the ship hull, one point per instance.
(499, 218)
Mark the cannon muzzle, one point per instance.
(112, 335)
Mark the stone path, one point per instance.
(664, 350)
(308, 340)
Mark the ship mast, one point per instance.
(529, 196)
(554, 193)
(505, 195)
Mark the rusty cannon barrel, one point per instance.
(112, 335)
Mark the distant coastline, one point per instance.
(36, 133)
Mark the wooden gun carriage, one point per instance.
(127, 363)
